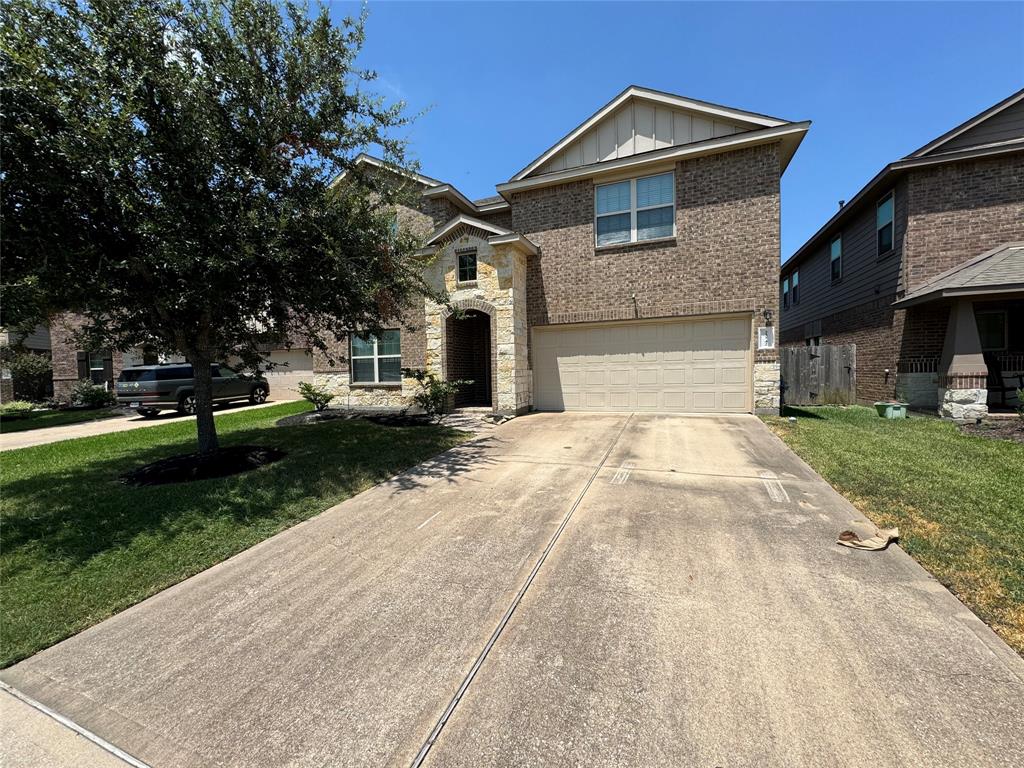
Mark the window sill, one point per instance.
(465, 284)
(636, 244)
(375, 385)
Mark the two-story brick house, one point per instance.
(631, 266)
(923, 271)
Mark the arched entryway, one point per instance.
(469, 356)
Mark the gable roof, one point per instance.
(364, 159)
(928, 155)
(731, 121)
(936, 145)
(999, 270)
(494, 235)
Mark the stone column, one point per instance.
(962, 371)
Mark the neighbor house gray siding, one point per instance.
(866, 277)
(1006, 125)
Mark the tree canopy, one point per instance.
(169, 169)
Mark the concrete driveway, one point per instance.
(667, 590)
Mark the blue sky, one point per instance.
(504, 81)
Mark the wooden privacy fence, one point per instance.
(819, 375)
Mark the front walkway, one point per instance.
(28, 438)
(565, 590)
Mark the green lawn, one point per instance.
(41, 419)
(79, 546)
(958, 500)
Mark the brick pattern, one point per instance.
(960, 210)
(64, 355)
(724, 257)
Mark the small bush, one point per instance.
(318, 396)
(1020, 403)
(15, 408)
(435, 396)
(31, 373)
(85, 394)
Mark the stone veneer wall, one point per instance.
(498, 291)
(767, 397)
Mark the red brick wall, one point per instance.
(724, 258)
(958, 211)
(65, 355)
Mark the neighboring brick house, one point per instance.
(933, 236)
(72, 363)
(632, 266)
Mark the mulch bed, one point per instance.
(192, 466)
(997, 429)
(384, 419)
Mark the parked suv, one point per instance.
(152, 388)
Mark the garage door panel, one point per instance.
(677, 365)
(734, 401)
(674, 375)
(620, 377)
(733, 375)
(647, 376)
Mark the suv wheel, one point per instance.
(258, 395)
(187, 405)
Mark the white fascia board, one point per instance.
(695, 149)
(523, 243)
(668, 99)
(468, 221)
(449, 191)
(363, 158)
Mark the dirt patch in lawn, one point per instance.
(193, 466)
(1001, 429)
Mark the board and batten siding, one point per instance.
(866, 277)
(637, 127)
(1004, 126)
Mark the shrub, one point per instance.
(85, 394)
(15, 408)
(435, 396)
(1020, 403)
(318, 396)
(31, 372)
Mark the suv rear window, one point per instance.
(143, 375)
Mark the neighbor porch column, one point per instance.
(962, 371)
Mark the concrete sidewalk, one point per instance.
(14, 440)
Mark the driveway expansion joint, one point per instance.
(471, 675)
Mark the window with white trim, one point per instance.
(635, 210)
(377, 360)
(836, 257)
(785, 293)
(467, 265)
(883, 223)
(795, 286)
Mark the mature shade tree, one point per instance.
(167, 174)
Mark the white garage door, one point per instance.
(293, 366)
(673, 365)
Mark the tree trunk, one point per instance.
(205, 427)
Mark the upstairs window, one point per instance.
(836, 255)
(785, 293)
(467, 265)
(795, 287)
(883, 224)
(377, 361)
(635, 210)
